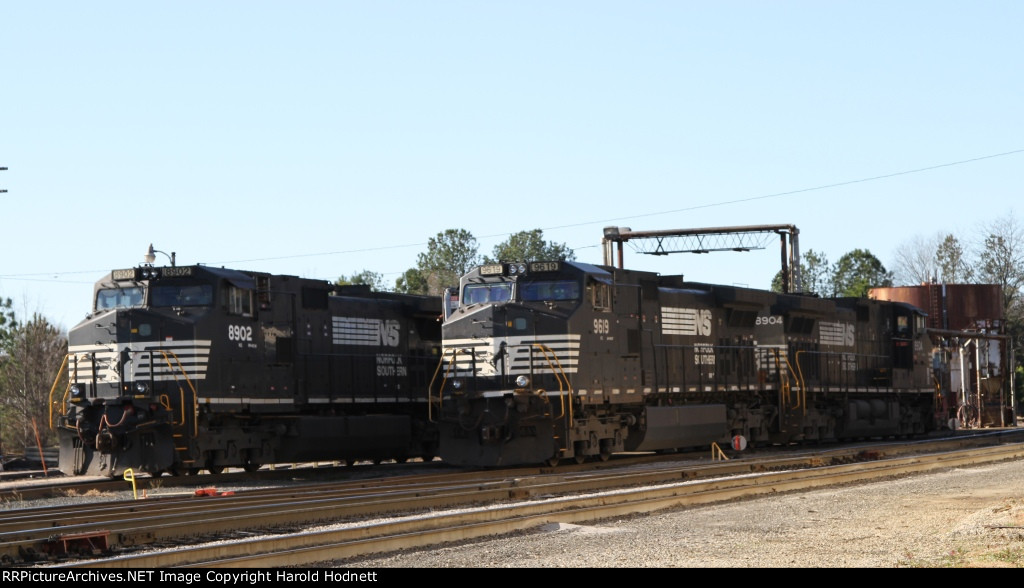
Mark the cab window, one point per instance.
(600, 295)
(550, 290)
(481, 293)
(903, 326)
(182, 295)
(119, 298)
(239, 301)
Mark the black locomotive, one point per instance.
(184, 368)
(560, 360)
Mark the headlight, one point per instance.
(522, 381)
(77, 391)
(457, 384)
(141, 387)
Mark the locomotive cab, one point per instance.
(135, 362)
(511, 350)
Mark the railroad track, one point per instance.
(25, 488)
(269, 527)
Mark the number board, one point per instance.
(492, 270)
(176, 272)
(544, 266)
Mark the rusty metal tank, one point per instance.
(951, 306)
(971, 369)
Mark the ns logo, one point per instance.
(686, 321)
(388, 333)
(703, 322)
(366, 332)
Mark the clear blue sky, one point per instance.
(322, 138)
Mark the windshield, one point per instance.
(553, 290)
(185, 295)
(480, 293)
(119, 298)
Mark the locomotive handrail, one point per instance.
(785, 387)
(800, 379)
(559, 374)
(859, 357)
(550, 357)
(195, 395)
(60, 372)
(440, 390)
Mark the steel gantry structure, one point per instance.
(706, 240)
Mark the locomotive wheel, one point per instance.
(605, 456)
(79, 460)
(580, 458)
(552, 461)
(215, 469)
(251, 467)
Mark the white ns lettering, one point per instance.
(387, 332)
(704, 322)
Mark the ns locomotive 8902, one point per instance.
(184, 368)
(562, 360)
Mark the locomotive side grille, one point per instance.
(490, 352)
(143, 362)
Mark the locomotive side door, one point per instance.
(276, 312)
(629, 369)
(650, 307)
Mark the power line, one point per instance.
(604, 222)
(689, 208)
(800, 191)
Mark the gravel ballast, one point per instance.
(920, 521)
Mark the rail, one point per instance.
(459, 510)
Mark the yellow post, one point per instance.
(129, 476)
(717, 454)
